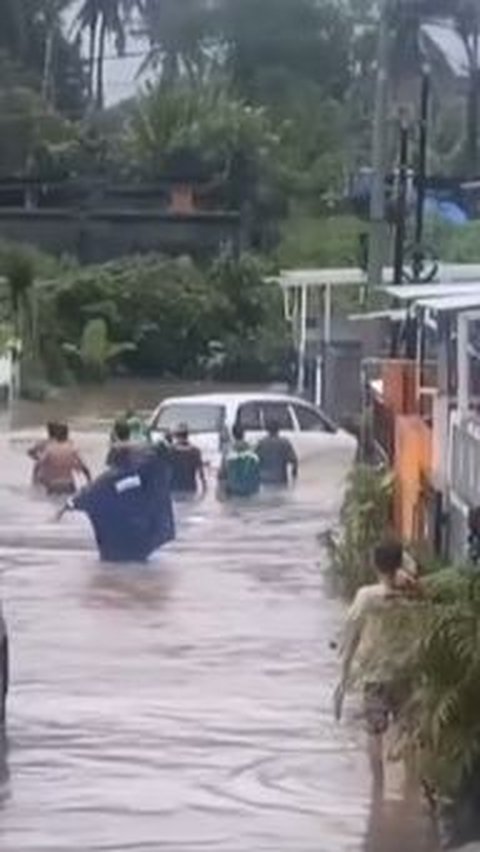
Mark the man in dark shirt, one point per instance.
(187, 465)
(122, 447)
(277, 457)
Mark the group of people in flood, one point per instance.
(130, 503)
(130, 508)
(244, 469)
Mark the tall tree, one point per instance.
(180, 33)
(33, 41)
(271, 41)
(87, 20)
(50, 19)
(103, 19)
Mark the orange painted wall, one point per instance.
(412, 463)
(398, 378)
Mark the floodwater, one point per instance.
(184, 706)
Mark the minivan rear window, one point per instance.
(199, 417)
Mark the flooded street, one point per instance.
(182, 706)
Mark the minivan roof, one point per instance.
(231, 398)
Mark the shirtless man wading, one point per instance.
(60, 462)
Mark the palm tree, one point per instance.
(177, 31)
(102, 19)
(51, 19)
(87, 19)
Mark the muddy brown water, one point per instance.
(185, 705)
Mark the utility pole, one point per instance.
(401, 205)
(418, 251)
(378, 235)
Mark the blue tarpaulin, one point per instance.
(130, 508)
(449, 211)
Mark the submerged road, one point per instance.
(186, 705)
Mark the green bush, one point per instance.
(364, 520)
(456, 244)
(440, 658)
(309, 241)
(171, 312)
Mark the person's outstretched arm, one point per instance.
(83, 468)
(69, 506)
(35, 452)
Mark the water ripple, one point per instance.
(183, 706)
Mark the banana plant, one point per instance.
(96, 353)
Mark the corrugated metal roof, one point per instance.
(446, 273)
(409, 292)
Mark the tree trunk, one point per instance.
(100, 97)
(170, 68)
(47, 82)
(91, 59)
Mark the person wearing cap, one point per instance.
(188, 473)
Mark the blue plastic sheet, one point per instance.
(130, 508)
(449, 211)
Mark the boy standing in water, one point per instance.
(36, 452)
(366, 643)
(60, 462)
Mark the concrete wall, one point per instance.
(99, 236)
(342, 378)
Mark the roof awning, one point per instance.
(394, 315)
(452, 304)
(322, 277)
(413, 292)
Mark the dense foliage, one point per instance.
(432, 643)
(165, 318)
(303, 68)
(366, 514)
(437, 656)
(442, 662)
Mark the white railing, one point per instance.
(464, 459)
